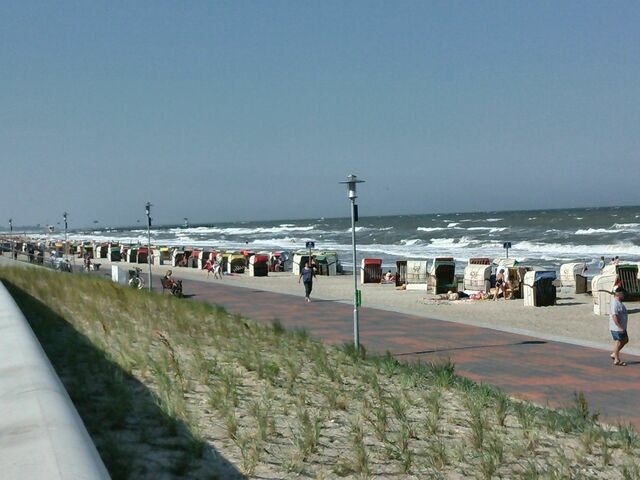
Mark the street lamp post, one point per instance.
(351, 183)
(13, 246)
(148, 212)
(66, 247)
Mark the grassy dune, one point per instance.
(171, 388)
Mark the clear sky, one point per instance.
(237, 110)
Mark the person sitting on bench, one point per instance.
(501, 285)
(170, 283)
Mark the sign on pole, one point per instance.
(507, 246)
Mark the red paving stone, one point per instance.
(545, 372)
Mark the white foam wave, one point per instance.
(493, 219)
(574, 251)
(488, 229)
(626, 226)
(593, 231)
(239, 230)
(453, 224)
(430, 229)
(411, 242)
(452, 242)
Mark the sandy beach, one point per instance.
(571, 320)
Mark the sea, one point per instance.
(545, 238)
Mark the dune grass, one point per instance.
(178, 388)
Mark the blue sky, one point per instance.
(225, 111)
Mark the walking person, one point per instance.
(208, 266)
(87, 262)
(217, 269)
(618, 326)
(307, 275)
(601, 264)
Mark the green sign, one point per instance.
(359, 298)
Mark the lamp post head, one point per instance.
(351, 182)
(147, 208)
(64, 216)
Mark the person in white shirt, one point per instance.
(618, 326)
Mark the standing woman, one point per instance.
(307, 275)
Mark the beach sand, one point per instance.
(572, 320)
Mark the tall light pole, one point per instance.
(351, 182)
(66, 249)
(13, 245)
(148, 212)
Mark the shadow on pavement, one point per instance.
(471, 347)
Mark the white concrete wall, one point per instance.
(41, 433)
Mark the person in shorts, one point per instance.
(618, 325)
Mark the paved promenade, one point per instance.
(545, 372)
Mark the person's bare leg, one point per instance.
(622, 344)
(616, 351)
(617, 346)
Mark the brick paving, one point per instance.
(546, 372)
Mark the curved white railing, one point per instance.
(41, 433)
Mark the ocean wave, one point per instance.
(411, 242)
(452, 242)
(237, 231)
(494, 219)
(430, 229)
(626, 226)
(453, 224)
(592, 231)
(575, 251)
(487, 229)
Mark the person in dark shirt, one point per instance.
(307, 275)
